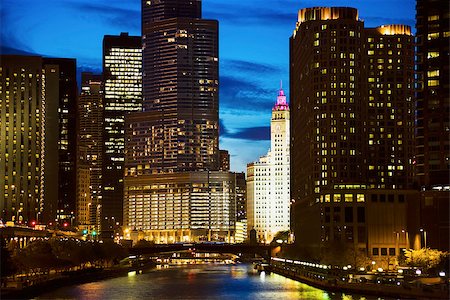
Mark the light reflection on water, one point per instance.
(196, 282)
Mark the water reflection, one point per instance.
(196, 282)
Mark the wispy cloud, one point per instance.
(257, 133)
(250, 66)
(129, 17)
(261, 133)
(237, 93)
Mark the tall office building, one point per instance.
(28, 111)
(90, 145)
(432, 120)
(181, 73)
(122, 75)
(66, 136)
(432, 116)
(268, 182)
(174, 190)
(351, 119)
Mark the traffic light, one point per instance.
(85, 231)
(94, 233)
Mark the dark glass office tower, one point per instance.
(180, 82)
(122, 74)
(153, 11)
(433, 100)
(174, 190)
(67, 136)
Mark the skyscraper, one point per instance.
(351, 120)
(432, 115)
(29, 98)
(173, 189)
(181, 73)
(66, 136)
(390, 95)
(122, 75)
(90, 145)
(268, 182)
(432, 120)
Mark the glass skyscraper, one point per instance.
(122, 75)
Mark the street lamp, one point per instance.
(407, 238)
(424, 236)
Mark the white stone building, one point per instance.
(268, 180)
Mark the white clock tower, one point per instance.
(268, 180)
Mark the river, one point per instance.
(196, 282)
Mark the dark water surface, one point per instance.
(196, 282)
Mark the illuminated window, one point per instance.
(433, 73)
(432, 36)
(433, 82)
(348, 197)
(336, 198)
(433, 54)
(327, 198)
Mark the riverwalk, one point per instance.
(334, 281)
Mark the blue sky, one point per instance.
(253, 39)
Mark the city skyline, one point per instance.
(134, 168)
(245, 97)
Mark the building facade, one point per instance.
(66, 136)
(224, 160)
(432, 120)
(432, 93)
(122, 84)
(90, 154)
(268, 188)
(352, 115)
(181, 68)
(29, 101)
(175, 137)
(182, 207)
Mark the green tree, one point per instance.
(424, 258)
(37, 256)
(339, 253)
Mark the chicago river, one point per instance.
(209, 281)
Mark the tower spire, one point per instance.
(281, 103)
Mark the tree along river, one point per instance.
(213, 281)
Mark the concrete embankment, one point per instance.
(30, 290)
(383, 290)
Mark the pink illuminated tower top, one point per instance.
(281, 100)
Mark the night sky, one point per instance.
(254, 48)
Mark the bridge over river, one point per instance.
(264, 251)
